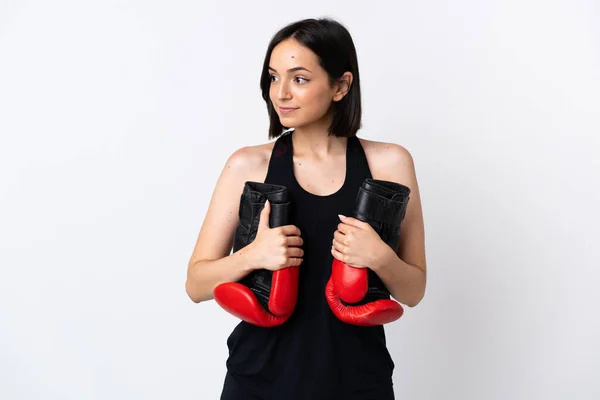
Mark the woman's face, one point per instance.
(300, 89)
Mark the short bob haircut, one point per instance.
(333, 45)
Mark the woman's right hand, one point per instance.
(275, 248)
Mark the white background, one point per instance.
(117, 117)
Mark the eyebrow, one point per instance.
(292, 69)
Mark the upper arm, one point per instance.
(398, 166)
(215, 239)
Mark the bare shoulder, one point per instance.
(389, 161)
(250, 162)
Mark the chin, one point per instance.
(289, 121)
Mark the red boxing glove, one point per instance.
(262, 298)
(240, 300)
(357, 296)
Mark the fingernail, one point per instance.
(342, 216)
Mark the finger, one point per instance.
(295, 252)
(290, 230)
(340, 256)
(295, 241)
(293, 262)
(345, 258)
(338, 246)
(345, 228)
(353, 222)
(340, 237)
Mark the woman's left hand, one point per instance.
(358, 245)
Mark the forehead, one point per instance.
(290, 53)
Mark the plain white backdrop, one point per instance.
(116, 118)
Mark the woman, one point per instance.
(310, 82)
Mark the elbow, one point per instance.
(416, 299)
(414, 303)
(194, 294)
(193, 288)
(419, 292)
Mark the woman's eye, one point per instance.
(301, 80)
(273, 77)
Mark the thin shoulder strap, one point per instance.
(358, 164)
(280, 160)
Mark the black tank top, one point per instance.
(313, 355)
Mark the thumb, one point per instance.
(263, 222)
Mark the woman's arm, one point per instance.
(211, 262)
(404, 272)
(406, 282)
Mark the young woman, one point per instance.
(310, 83)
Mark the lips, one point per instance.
(286, 110)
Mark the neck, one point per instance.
(314, 140)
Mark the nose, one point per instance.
(283, 92)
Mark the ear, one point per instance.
(342, 86)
